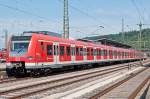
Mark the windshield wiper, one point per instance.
(20, 50)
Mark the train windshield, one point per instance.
(19, 46)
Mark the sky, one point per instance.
(86, 17)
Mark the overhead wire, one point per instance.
(138, 10)
(26, 12)
(145, 10)
(90, 16)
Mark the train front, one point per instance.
(18, 55)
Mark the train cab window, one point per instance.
(49, 50)
(77, 51)
(61, 50)
(68, 51)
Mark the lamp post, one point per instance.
(99, 27)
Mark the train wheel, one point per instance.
(35, 73)
(20, 72)
(48, 72)
(10, 72)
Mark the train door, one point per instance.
(49, 52)
(98, 54)
(40, 53)
(62, 53)
(94, 54)
(68, 53)
(84, 54)
(73, 53)
(110, 54)
(102, 53)
(105, 53)
(55, 48)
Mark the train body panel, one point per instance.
(41, 51)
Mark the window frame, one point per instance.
(49, 47)
(61, 50)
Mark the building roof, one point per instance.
(105, 41)
(42, 32)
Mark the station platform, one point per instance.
(2, 66)
(124, 91)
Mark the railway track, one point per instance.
(13, 79)
(138, 89)
(5, 80)
(112, 87)
(31, 89)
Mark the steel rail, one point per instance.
(55, 86)
(105, 91)
(138, 89)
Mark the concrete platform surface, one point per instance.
(125, 90)
(2, 66)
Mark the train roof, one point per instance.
(46, 37)
(106, 41)
(79, 43)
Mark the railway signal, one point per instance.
(140, 34)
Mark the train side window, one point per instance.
(84, 51)
(95, 52)
(81, 51)
(102, 52)
(99, 52)
(112, 53)
(105, 52)
(68, 51)
(123, 54)
(92, 51)
(72, 51)
(77, 51)
(61, 50)
(115, 53)
(54, 50)
(49, 50)
(88, 51)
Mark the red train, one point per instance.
(40, 53)
(3, 55)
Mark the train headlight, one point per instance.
(30, 57)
